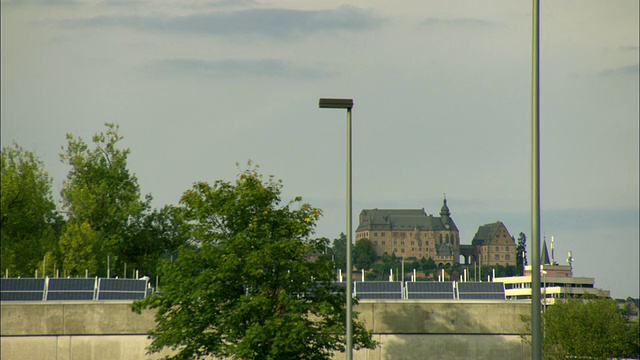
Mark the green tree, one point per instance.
(77, 248)
(101, 192)
(155, 235)
(429, 264)
(29, 223)
(521, 253)
(339, 252)
(247, 290)
(364, 255)
(592, 329)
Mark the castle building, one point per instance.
(412, 233)
(491, 245)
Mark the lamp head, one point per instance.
(336, 103)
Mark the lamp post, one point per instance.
(536, 319)
(346, 104)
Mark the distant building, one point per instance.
(556, 282)
(413, 233)
(493, 245)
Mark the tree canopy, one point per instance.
(245, 288)
(521, 253)
(364, 254)
(28, 219)
(592, 329)
(103, 202)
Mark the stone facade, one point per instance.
(413, 233)
(494, 245)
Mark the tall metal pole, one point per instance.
(346, 104)
(536, 328)
(349, 300)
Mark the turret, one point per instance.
(444, 211)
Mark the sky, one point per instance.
(442, 105)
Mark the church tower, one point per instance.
(445, 216)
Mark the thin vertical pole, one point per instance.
(349, 239)
(536, 329)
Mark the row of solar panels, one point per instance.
(448, 290)
(43, 289)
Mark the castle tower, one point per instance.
(444, 211)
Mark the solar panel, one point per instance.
(120, 295)
(71, 289)
(121, 289)
(378, 289)
(481, 287)
(481, 296)
(481, 291)
(123, 285)
(22, 289)
(430, 290)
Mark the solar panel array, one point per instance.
(22, 289)
(481, 291)
(69, 289)
(431, 290)
(72, 289)
(378, 290)
(121, 289)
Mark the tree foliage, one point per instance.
(521, 253)
(592, 329)
(102, 197)
(28, 219)
(364, 254)
(246, 289)
(339, 252)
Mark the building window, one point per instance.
(402, 242)
(383, 234)
(375, 234)
(413, 243)
(507, 257)
(375, 243)
(383, 243)
(402, 250)
(497, 257)
(395, 242)
(395, 250)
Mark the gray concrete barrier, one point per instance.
(405, 329)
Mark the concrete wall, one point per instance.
(405, 329)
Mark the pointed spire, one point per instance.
(544, 255)
(444, 211)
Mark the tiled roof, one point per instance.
(402, 219)
(485, 233)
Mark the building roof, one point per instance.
(485, 233)
(404, 220)
(544, 254)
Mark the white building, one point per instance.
(556, 282)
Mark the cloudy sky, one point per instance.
(441, 92)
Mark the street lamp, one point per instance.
(346, 104)
(536, 329)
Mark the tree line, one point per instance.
(103, 223)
